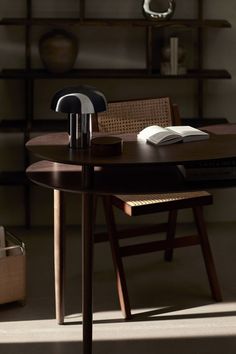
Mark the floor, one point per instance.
(172, 307)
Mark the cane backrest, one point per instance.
(134, 115)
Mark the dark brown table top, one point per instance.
(54, 147)
(122, 174)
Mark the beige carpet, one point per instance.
(172, 307)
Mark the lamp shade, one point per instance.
(79, 102)
(79, 99)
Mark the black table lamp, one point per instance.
(79, 103)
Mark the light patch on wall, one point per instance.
(12, 152)
(107, 9)
(97, 49)
(55, 8)
(11, 96)
(11, 209)
(12, 47)
(14, 8)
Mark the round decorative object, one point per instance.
(58, 50)
(165, 15)
(106, 146)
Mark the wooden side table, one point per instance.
(141, 167)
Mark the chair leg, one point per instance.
(207, 254)
(170, 236)
(59, 254)
(117, 260)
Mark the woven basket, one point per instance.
(12, 270)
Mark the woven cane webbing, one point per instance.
(144, 199)
(133, 116)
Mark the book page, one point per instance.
(158, 135)
(149, 131)
(189, 133)
(154, 134)
(164, 138)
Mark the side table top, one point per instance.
(118, 180)
(106, 180)
(54, 147)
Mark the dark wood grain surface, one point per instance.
(54, 147)
(117, 180)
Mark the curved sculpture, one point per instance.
(158, 15)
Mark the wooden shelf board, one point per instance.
(36, 125)
(197, 74)
(191, 23)
(113, 73)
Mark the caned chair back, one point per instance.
(134, 115)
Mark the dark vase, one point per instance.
(58, 50)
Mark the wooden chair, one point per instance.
(131, 117)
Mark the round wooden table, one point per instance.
(141, 168)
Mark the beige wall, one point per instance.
(97, 49)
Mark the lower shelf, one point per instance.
(111, 74)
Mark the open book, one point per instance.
(162, 136)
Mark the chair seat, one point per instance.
(149, 203)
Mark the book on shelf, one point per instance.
(213, 170)
(157, 135)
(173, 59)
(174, 42)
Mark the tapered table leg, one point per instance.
(87, 269)
(59, 254)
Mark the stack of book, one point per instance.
(173, 57)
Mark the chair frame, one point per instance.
(119, 252)
(114, 236)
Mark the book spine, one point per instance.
(230, 162)
(208, 173)
(174, 55)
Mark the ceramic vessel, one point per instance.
(58, 50)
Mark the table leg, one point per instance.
(59, 254)
(87, 269)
